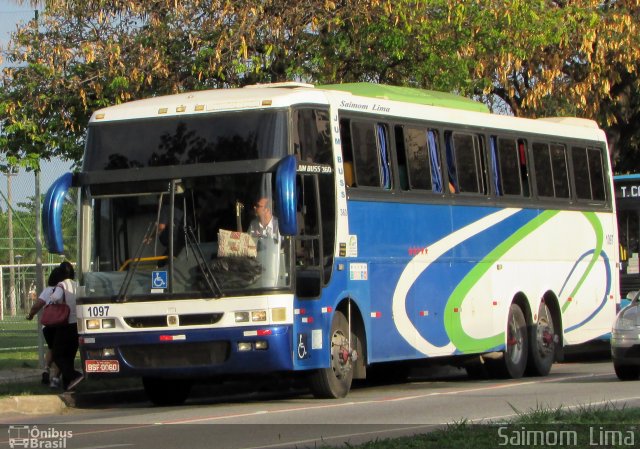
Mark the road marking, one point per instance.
(380, 401)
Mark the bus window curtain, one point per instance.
(494, 165)
(436, 176)
(451, 164)
(385, 172)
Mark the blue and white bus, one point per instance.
(411, 225)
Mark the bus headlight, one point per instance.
(259, 315)
(242, 317)
(93, 324)
(108, 323)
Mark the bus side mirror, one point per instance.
(52, 213)
(286, 196)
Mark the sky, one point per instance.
(23, 185)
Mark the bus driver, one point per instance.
(264, 229)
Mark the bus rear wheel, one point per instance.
(542, 343)
(335, 381)
(164, 392)
(514, 361)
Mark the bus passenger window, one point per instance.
(589, 173)
(560, 171)
(347, 152)
(524, 168)
(451, 164)
(401, 157)
(382, 145)
(467, 155)
(370, 150)
(509, 168)
(419, 151)
(552, 177)
(364, 142)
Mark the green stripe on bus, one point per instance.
(408, 95)
(453, 321)
(597, 228)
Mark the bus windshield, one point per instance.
(224, 238)
(185, 140)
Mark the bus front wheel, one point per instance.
(335, 381)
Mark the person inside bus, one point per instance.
(164, 235)
(265, 225)
(264, 229)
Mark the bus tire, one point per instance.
(542, 344)
(514, 362)
(627, 372)
(164, 392)
(335, 382)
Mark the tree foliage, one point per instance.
(527, 57)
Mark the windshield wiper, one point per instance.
(205, 269)
(124, 288)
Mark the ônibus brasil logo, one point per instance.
(33, 437)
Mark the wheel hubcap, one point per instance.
(514, 342)
(340, 355)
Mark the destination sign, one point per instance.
(628, 191)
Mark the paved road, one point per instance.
(294, 419)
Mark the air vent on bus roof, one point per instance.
(285, 84)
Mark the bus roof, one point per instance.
(409, 95)
(386, 100)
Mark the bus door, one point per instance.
(308, 247)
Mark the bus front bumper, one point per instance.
(187, 353)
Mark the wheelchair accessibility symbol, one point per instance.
(302, 346)
(159, 279)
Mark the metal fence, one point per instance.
(18, 236)
(17, 297)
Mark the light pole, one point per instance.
(12, 273)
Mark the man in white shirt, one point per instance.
(264, 229)
(265, 225)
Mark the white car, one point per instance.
(625, 340)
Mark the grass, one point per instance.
(584, 428)
(18, 343)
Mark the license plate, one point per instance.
(101, 366)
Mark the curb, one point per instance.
(33, 405)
